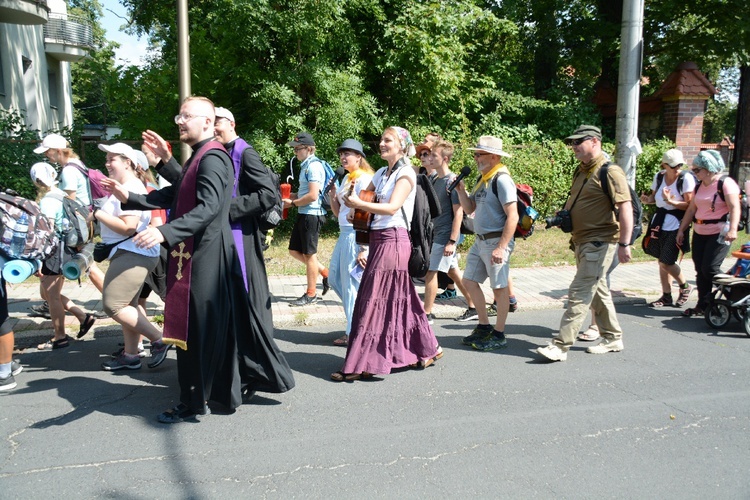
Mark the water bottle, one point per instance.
(7, 236)
(722, 235)
(18, 242)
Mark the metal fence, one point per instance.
(70, 30)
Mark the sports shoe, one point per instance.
(15, 367)
(326, 286)
(605, 346)
(492, 310)
(469, 315)
(447, 294)
(513, 306)
(553, 352)
(7, 383)
(42, 308)
(122, 361)
(491, 344)
(305, 300)
(477, 335)
(118, 352)
(430, 318)
(159, 352)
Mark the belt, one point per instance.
(487, 236)
(724, 218)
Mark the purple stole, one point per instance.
(180, 258)
(238, 148)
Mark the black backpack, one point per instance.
(426, 208)
(271, 217)
(634, 199)
(744, 212)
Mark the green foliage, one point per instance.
(17, 145)
(719, 121)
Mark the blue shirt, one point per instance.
(311, 170)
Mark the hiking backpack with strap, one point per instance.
(93, 180)
(421, 228)
(527, 215)
(635, 201)
(744, 212)
(26, 232)
(76, 230)
(323, 196)
(271, 217)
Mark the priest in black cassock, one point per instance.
(203, 273)
(262, 366)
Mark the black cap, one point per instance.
(585, 131)
(351, 145)
(301, 139)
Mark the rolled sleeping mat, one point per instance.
(79, 264)
(18, 270)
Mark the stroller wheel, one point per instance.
(739, 314)
(718, 313)
(746, 322)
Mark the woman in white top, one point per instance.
(389, 326)
(128, 264)
(671, 191)
(344, 257)
(52, 280)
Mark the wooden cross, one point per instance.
(180, 255)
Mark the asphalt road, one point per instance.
(666, 418)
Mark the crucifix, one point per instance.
(180, 255)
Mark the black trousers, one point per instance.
(708, 254)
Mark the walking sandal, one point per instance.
(664, 300)
(684, 294)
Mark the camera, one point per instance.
(561, 220)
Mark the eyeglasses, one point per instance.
(186, 117)
(578, 142)
(299, 148)
(479, 153)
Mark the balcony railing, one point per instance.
(68, 30)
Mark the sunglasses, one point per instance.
(578, 142)
(479, 153)
(696, 170)
(424, 153)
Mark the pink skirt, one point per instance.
(389, 326)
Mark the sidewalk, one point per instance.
(535, 288)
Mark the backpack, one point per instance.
(323, 196)
(25, 232)
(744, 215)
(93, 180)
(76, 231)
(420, 228)
(680, 179)
(527, 215)
(271, 217)
(635, 201)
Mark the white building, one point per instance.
(38, 41)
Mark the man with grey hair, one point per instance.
(493, 203)
(597, 233)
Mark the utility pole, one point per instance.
(628, 87)
(183, 62)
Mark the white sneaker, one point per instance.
(553, 352)
(605, 346)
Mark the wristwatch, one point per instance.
(452, 241)
(292, 202)
(624, 245)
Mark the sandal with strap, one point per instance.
(684, 295)
(340, 376)
(55, 344)
(692, 311)
(664, 300)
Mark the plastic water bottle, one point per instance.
(722, 235)
(18, 242)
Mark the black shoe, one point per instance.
(181, 413)
(326, 286)
(247, 395)
(305, 300)
(159, 352)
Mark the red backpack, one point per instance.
(527, 215)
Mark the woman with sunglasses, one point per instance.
(715, 205)
(389, 328)
(671, 191)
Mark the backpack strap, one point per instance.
(603, 172)
(85, 172)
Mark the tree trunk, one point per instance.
(742, 128)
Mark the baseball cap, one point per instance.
(52, 141)
(673, 157)
(585, 131)
(44, 173)
(224, 113)
(302, 139)
(120, 148)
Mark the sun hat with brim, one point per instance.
(43, 172)
(673, 158)
(301, 139)
(120, 148)
(492, 145)
(351, 145)
(52, 141)
(585, 131)
(224, 113)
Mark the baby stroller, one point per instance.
(730, 296)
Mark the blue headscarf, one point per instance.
(710, 160)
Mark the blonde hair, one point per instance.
(446, 149)
(41, 190)
(365, 165)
